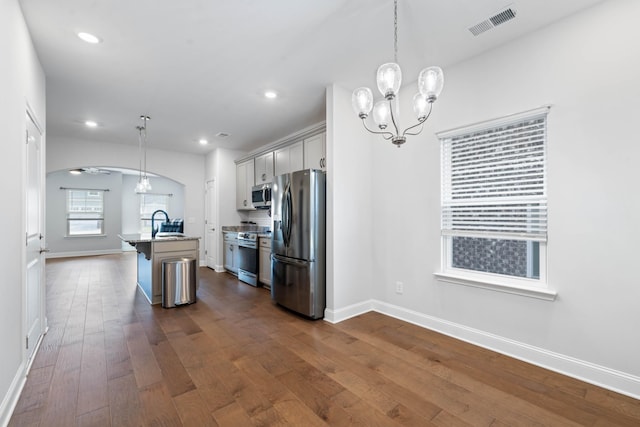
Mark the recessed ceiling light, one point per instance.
(91, 123)
(89, 38)
(270, 94)
(203, 141)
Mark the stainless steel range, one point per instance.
(248, 257)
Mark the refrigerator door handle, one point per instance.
(289, 260)
(283, 221)
(286, 215)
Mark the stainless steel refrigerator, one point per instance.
(298, 251)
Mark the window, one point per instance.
(85, 212)
(494, 200)
(149, 203)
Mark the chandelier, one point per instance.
(143, 180)
(389, 79)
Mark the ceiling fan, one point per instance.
(90, 171)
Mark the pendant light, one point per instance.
(389, 80)
(143, 184)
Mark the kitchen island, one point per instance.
(153, 251)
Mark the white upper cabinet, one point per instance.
(289, 159)
(244, 182)
(315, 152)
(309, 153)
(264, 168)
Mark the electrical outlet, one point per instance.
(399, 287)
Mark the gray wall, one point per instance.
(185, 168)
(57, 241)
(122, 207)
(131, 200)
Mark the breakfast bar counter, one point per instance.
(151, 254)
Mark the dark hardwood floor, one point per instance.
(235, 359)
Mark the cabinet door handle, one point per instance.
(244, 203)
(264, 177)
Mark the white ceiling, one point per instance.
(199, 67)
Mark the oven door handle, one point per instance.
(250, 244)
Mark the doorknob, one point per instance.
(44, 250)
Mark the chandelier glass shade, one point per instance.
(389, 81)
(143, 184)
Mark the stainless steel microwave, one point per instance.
(261, 196)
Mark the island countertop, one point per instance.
(134, 238)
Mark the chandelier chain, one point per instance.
(395, 31)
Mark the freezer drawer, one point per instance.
(298, 286)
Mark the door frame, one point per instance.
(31, 115)
(217, 256)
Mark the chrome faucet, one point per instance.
(153, 227)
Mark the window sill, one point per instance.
(517, 289)
(76, 236)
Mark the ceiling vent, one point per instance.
(494, 21)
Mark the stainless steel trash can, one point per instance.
(178, 282)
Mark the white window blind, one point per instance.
(494, 180)
(85, 212)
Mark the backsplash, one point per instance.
(260, 217)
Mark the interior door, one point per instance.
(34, 265)
(212, 235)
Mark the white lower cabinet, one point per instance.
(231, 252)
(264, 261)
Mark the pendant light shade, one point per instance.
(389, 78)
(430, 83)
(362, 101)
(420, 106)
(146, 185)
(382, 114)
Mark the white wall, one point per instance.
(184, 168)
(350, 206)
(220, 166)
(587, 67)
(22, 82)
